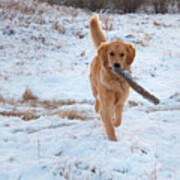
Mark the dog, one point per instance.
(110, 91)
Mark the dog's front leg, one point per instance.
(118, 115)
(108, 126)
(106, 111)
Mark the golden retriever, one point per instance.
(110, 91)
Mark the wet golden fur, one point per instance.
(109, 91)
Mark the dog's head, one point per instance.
(116, 52)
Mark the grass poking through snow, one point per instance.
(37, 108)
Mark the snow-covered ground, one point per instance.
(48, 50)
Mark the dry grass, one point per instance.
(29, 100)
(83, 53)
(28, 95)
(72, 114)
(147, 37)
(2, 100)
(78, 34)
(48, 105)
(26, 115)
(7, 101)
(32, 100)
(161, 24)
(23, 6)
(51, 104)
(61, 29)
(140, 42)
(29, 7)
(151, 109)
(33, 9)
(132, 103)
(154, 173)
(30, 115)
(107, 22)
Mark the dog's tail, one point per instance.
(96, 32)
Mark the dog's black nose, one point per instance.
(117, 65)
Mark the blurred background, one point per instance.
(123, 6)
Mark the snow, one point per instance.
(55, 66)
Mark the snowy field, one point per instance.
(48, 127)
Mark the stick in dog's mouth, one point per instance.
(127, 76)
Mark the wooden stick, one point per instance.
(127, 76)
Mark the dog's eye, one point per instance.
(111, 54)
(122, 54)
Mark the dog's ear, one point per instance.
(102, 53)
(131, 53)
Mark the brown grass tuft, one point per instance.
(154, 173)
(2, 100)
(108, 22)
(53, 103)
(28, 95)
(59, 27)
(78, 34)
(132, 103)
(25, 115)
(29, 100)
(72, 114)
